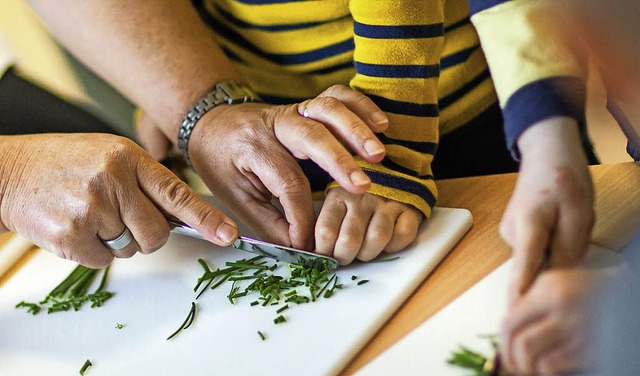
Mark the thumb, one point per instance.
(176, 198)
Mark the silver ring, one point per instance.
(119, 242)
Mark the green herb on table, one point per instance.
(279, 320)
(262, 336)
(85, 366)
(479, 364)
(119, 326)
(362, 282)
(187, 321)
(72, 292)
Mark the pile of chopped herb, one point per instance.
(304, 283)
(72, 292)
(256, 276)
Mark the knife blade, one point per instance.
(259, 247)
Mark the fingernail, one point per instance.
(373, 147)
(379, 118)
(359, 178)
(227, 232)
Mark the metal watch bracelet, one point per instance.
(225, 92)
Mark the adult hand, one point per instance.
(551, 209)
(246, 153)
(66, 193)
(547, 331)
(362, 226)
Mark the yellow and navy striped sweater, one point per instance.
(420, 61)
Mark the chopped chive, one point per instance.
(255, 302)
(85, 366)
(280, 319)
(354, 277)
(261, 335)
(363, 282)
(187, 322)
(283, 308)
(119, 326)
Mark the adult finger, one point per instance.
(359, 104)
(123, 243)
(346, 125)
(284, 178)
(308, 139)
(177, 199)
(148, 225)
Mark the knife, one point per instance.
(274, 251)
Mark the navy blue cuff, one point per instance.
(539, 100)
(477, 6)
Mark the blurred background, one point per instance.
(42, 60)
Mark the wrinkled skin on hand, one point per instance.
(246, 154)
(67, 192)
(363, 226)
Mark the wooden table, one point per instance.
(482, 250)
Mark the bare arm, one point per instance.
(158, 53)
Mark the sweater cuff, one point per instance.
(540, 100)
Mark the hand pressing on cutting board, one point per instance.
(69, 193)
(363, 226)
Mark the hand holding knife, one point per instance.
(278, 252)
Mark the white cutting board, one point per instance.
(477, 312)
(154, 293)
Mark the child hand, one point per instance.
(354, 226)
(546, 330)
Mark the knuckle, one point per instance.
(296, 185)
(178, 193)
(327, 104)
(335, 90)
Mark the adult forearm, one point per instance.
(158, 53)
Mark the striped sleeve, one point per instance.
(535, 68)
(397, 55)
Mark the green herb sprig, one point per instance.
(479, 364)
(187, 321)
(71, 293)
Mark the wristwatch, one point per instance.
(225, 92)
